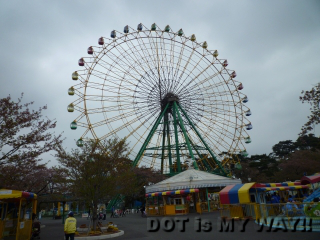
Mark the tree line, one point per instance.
(98, 171)
(288, 161)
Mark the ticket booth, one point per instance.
(172, 202)
(16, 210)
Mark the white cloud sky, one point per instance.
(273, 46)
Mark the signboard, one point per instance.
(5, 192)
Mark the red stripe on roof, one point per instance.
(224, 194)
(310, 179)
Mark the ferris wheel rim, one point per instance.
(102, 53)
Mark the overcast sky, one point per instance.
(273, 45)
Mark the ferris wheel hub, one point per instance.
(169, 98)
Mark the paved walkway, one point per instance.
(135, 228)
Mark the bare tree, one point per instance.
(97, 172)
(313, 98)
(24, 134)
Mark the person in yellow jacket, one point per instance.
(70, 226)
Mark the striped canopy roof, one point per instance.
(239, 193)
(185, 191)
(6, 194)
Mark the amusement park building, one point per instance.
(189, 191)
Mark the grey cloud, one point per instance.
(273, 46)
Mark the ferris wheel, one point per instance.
(168, 95)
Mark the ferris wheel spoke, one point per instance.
(179, 59)
(170, 66)
(92, 111)
(213, 99)
(141, 140)
(114, 131)
(141, 137)
(146, 71)
(217, 130)
(218, 108)
(154, 157)
(116, 77)
(77, 101)
(218, 114)
(145, 50)
(207, 79)
(138, 56)
(78, 118)
(146, 112)
(165, 61)
(213, 86)
(155, 53)
(136, 60)
(180, 83)
(118, 68)
(187, 63)
(194, 69)
(113, 119)
(167, 66)
(80, 96)
(220, 122)
(148, 58)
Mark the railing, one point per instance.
(155, 210)
(214, 205)
(234, 210)
(257, 211)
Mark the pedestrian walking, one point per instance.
(88, 215)
(123, 214)
(53, 214)
(112, 212)
(143, 211)
(70, 227)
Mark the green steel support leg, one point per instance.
(199, 135)
(169, 146)
(184, 131)
(163, 139)
(145, 144)
(200, 157)
(176, 138)
(195, 164)
(208, 200)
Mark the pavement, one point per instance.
(191, 226)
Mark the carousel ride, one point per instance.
(297, 207)
(168, 95)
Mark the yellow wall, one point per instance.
(170, 209)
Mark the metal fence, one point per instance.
(257, 211)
